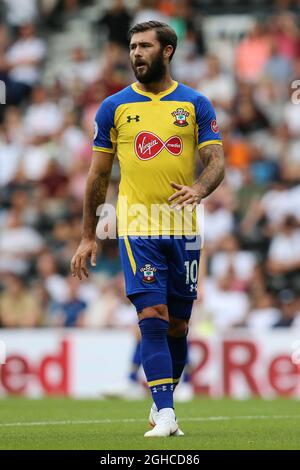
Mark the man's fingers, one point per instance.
(176, 195)
(85, 271)
(73, 266)
(75, 262)
(175, 185)
(82, 267)
(85, 250)
(94, 257)
(186, 201)
(78, 266)
(181, 200)
(191, 200)
(190, 205)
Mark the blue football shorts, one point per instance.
(161, 271)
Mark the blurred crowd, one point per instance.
(59, 60)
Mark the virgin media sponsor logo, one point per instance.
(148, 145)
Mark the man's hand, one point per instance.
(87, 248)
(185, 195)
(212, 158)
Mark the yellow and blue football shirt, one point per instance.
(155, 137)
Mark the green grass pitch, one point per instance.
(57, 423)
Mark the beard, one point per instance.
(153, 72)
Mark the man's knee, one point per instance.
(178, 327)
(156, 311)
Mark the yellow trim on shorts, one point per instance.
(130, 254)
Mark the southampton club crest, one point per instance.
(148, 272)
(180, 116)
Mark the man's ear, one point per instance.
(168, 51)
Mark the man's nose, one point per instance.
(137, 52)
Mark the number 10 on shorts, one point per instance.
(191, 271)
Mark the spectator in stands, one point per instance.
(100, 311)
(189, 67)
(19, 12)
(225, 305)
(59, 13)
(217, 85)
(147, 11)
(117, 22)
(249, 118)
(54, 181)
(70, 312)
(18, 245)
(252, 54)
(285, 30)
(279, 68)
(272, 208)
(284, 253)
(47, 270)
(18, 306)
(108, 261)
(290, 308)
(80, 71)
(263, 314)
(22, 63)
(10, 158)
(230, 255)
(218, 222)
(43, 117)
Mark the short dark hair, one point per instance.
(164, 33)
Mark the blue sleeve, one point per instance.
(207, 127)
(104, 131)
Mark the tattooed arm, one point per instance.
(212, 157)
(95, 193)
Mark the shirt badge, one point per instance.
(148, 272)
(180, 116)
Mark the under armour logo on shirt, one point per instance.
(132, 118)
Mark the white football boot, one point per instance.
(155, 419)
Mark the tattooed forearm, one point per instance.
(95, 194)
(212, 158)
